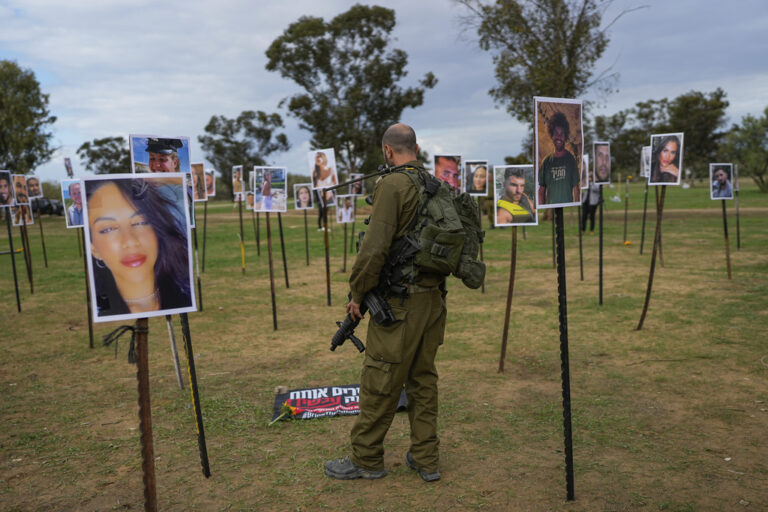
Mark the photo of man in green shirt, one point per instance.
(558, 172)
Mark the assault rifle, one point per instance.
(380, 311)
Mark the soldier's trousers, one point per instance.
(401, 354)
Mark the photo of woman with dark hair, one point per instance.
(477, 178)
(302, 193)
(6, 189)
(666, 158)
(139, 255)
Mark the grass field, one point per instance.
(673, 417)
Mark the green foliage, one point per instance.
(246, 140)
(748, 145)
(25, 142)
(109, 155)
(349, 77)
(541, 49)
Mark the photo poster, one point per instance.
(20, 189)
(666, 159)
(190, 196)
(270, 189)
(138, 269)
(322, 168)
(34, 190)
(238, 185)
(448, 169)
(601, 163)
(250, 201)
(198, 182)
(345, 209)
(559, 144)
(22, 215)
(585, 171)
(721, 181)
(6, 189)
(329, 201)
(645, 162)
(210, 183)
(514, 196)
(71, 195)
(68, 167)
(476, 177)
(157, 153)
(357, 188)
(303, 196)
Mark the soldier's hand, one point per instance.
(353, 309)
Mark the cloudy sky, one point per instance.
(114, 67)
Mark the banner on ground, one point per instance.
(321, 402)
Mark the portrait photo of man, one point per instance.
(68, 167)
(237, 182)
(22, 215)
(153, 153)
(601, 154)
(345, 209)
(559, 146)
(720, 178)
(210, 183)
(33, 187)
(72, 199)
(447, 169)
(357, 188)
(198, 182)
(584, 182)
(514, 196)
(20, 189)
(6, 189)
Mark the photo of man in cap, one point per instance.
(153, 153)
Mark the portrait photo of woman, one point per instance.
(322, 165)
(302, 193)
(198, 182)
(6, 189)
(477, 178)
(666, 159)
(139, 253)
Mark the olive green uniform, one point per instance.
(403, 353)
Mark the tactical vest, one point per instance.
(444, 237)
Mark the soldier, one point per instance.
(403, 353)
(163, 156)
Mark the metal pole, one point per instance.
(27, 252)
(656, 247)
(564, 365)
(554, 265)
(327, 255)
(192, 375)
(727, 248)
(205, 232)
(42, 237)
(145, 416)
(197, 271)
(258, 234)
(87, 294)
(601, 246)
(658, 214)
(645, 209)
(306, 236)
(626, 208)
(271, 273)
(480, 223)
(242, 237)
(581, 250)
(344, 267)
(282, 248)
(13, 258)
(79, 242)
(510, 290)
(738, 228)
(174, 351)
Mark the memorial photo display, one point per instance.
(476, 177)
(666, 159)
(270, 189)
(721, 181)
(322, 168)
(158, 153)
(514, 197)
(302, 194)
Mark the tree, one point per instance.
(25, 142)
(349, 78)
(246, 140)
(542, 48)
(109, 155)
(747, 146)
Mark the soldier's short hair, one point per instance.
(401, 138)
(514, 172)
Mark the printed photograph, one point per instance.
(302, 194)
(34, 190)
(514, 195)
(138, 246)
(198, 182)
(559, 146)
(68, 167)
(6, 189)
(190, 200)
(645, 162)
(22, 215)
(270, 189)
(238, 185)
(72, 199)
(210, 183)
(601, 157)
(584, 172)
(322, 168)
(721, 178)
(447, 169)
(330, 198)
(20, 189)
(249, 200)
(345, 209)
(666, 159)
(476, 177)
(357, 188)
(154, 153)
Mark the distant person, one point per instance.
(323, 174)
(721, 185)
(447, 169)
(75, 210)
(665, 160)
(6, 192)
(589, 207)
(33, 187)
(163, 155)
(479, 180)
(559, 171)
(514, 206)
